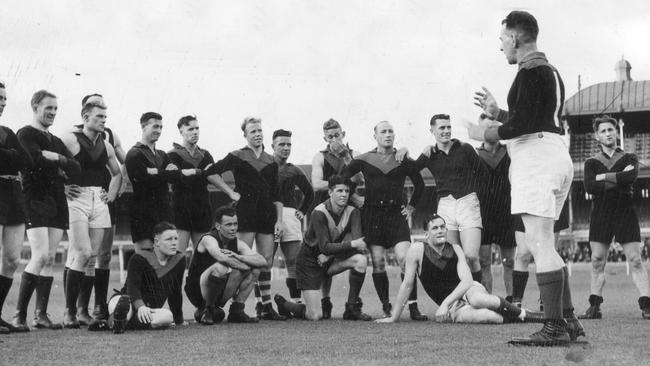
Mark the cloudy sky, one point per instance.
(296, 63)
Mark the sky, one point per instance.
(296, 64)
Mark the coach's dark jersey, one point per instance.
(535, 99)
(92, 158)
(615, 191)
(457, 173)
(332, 233)
(495, 192)
(290, 177)
(438, 272)
(150, 283)
(44, 176)
(203, 260)
(190, 191)
(13, 155)
(333, 164)
(384, 178)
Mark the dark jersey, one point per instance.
(457, 173)
(331, 233)
(535, 99)
(332, 164)
(290, 177)
(190, 191)
(92, 158)
(13, 155)
(616, 190)
(202, 260)
(44, 175)
(495, 193)
(438, 272)
(385, 178)
(150, 283)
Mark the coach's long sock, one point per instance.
(102, 278)
(216, 285)
(85, 290)
(356, 279)
(73, 288)
(519, 282)
(551, 287)
(413, 296)
(5, 285)
(28, 284)
(477, 276)
(264, 281)
(381, 286)
(509, 311)
(294, 292)
(567, 304)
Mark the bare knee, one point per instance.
(635, 262)
(10, 264)
(508, 262)
(598, 263)
(313, 314)
(472, 258)
(103, 260)
(219, 270)
(379, 265)
(161, 318)
(360, 262)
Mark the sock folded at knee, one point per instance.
(519, 282)
(381, 286)
(356, 280)
(551, 288)
(294, 292)
(477, 276)
(264, 281)
(216, 285)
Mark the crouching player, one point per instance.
(332, 245)
(222, 268)
(153, 277)
(447, 279)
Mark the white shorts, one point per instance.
(541, 172)
(292, 227)
(461, 214)
(89, 207)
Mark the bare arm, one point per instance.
(249, 256)
(119, 151)
(212, 246)
(317, 181)
(116, 172)
(466, 281)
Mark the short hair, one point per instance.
(248, 121)
(431, 218)
(2, 85)
(85, 99)
(149, 115)
(161, 227)
(185, 121)
(378, 123)
(281, 133)
(224, 211)
(437, 117)
(331, 124)
(338, 179)
(38, 97)
(524, 23)
(87, 108)
(604, 119)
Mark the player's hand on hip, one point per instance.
(145, 315)
(72, 191)
(299, 215)
(278, 230)
(385, 320)
(103, 195)
(486, 101)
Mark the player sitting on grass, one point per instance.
(222, 268)
(446, 278)
(153, 277)
(332, 245)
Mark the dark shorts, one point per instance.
(256, 216)
(384, 226)
(143, 219)
(310, 274)
(622, 224)
(13, 210)
(193, 292)
(196, 219)
(48, 210)
(501, 235)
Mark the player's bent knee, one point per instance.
(161, 318)
(314, 315)
(360, 261)
(10, 265)
(219, 270)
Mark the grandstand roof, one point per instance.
(610, 98)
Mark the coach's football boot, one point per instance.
(83, 316)
(42, 321)
(353, 312)
(415, 312)
(269, 313)
(70, 320)
(593, 312)
(326, 307)
(19, 323)
(387, 308)
(120, 314)
(236, 314)
(574, 327)
(644, 304)
(553, 333)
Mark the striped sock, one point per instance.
(264, 281)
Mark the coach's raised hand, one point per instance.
(485, 100)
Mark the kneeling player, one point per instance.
(153, 277)
(222, 268)
(447, 279)
(332, 245)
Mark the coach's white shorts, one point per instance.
(541, 171)
(461, 214)
(89, 207)
(292, 227)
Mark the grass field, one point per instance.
(619, 339)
